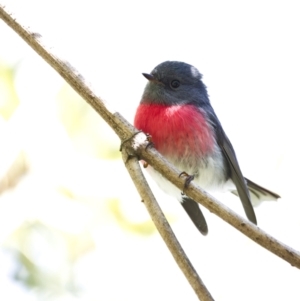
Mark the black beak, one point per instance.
(149, 76)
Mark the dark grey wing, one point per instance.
(235, 172)
(194, 212)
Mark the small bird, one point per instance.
(175, 110)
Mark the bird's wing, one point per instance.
(235, 173)
(195, 214)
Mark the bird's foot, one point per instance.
(188, 180)
(128, 139)
(148, 138)
(150, 143)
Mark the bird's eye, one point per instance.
(175, 84)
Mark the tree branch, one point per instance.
(125, 130)
(164, 228)
(156, 160)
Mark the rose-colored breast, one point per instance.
(176, 130)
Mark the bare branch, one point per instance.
(14, 173)
(125, 130)
(156, 160)
(164, 228)
(120, 125)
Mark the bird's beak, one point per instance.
(149, 76)
(153, 79)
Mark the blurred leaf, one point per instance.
(26, 271)
(13, 175)
(87, 130)
(66, 192)
(8, 97)
(45, 256)
(143, 228)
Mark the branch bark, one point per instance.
(164, 228)
(125, 130)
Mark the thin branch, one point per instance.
(124, 130)
(119, 124)
(213, 205)
(164, 228)
(14, 173)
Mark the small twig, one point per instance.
(164, 228)
(14, 173)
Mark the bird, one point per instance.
(175, 110)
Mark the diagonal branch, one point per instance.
(213, 205)
(164, 228)
(124, 130)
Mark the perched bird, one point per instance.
(175, 110)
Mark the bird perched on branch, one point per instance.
(175, 110)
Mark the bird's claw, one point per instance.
(188, 180)
(150, 143)
(128, 139)
(149, 139)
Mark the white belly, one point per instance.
(209, 174)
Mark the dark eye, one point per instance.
(175, 84)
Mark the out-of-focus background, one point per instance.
(72, 226)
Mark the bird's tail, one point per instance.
(193, 210)
(260, 194)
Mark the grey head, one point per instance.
(175, 83)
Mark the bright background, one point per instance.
(72, 226)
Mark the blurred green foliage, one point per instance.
(8, 97)
(88, 131)
(44, 248)
(142, 228)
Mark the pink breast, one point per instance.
(175, 130)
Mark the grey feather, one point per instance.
(259, 194)
(194, 212)
(236, 174)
